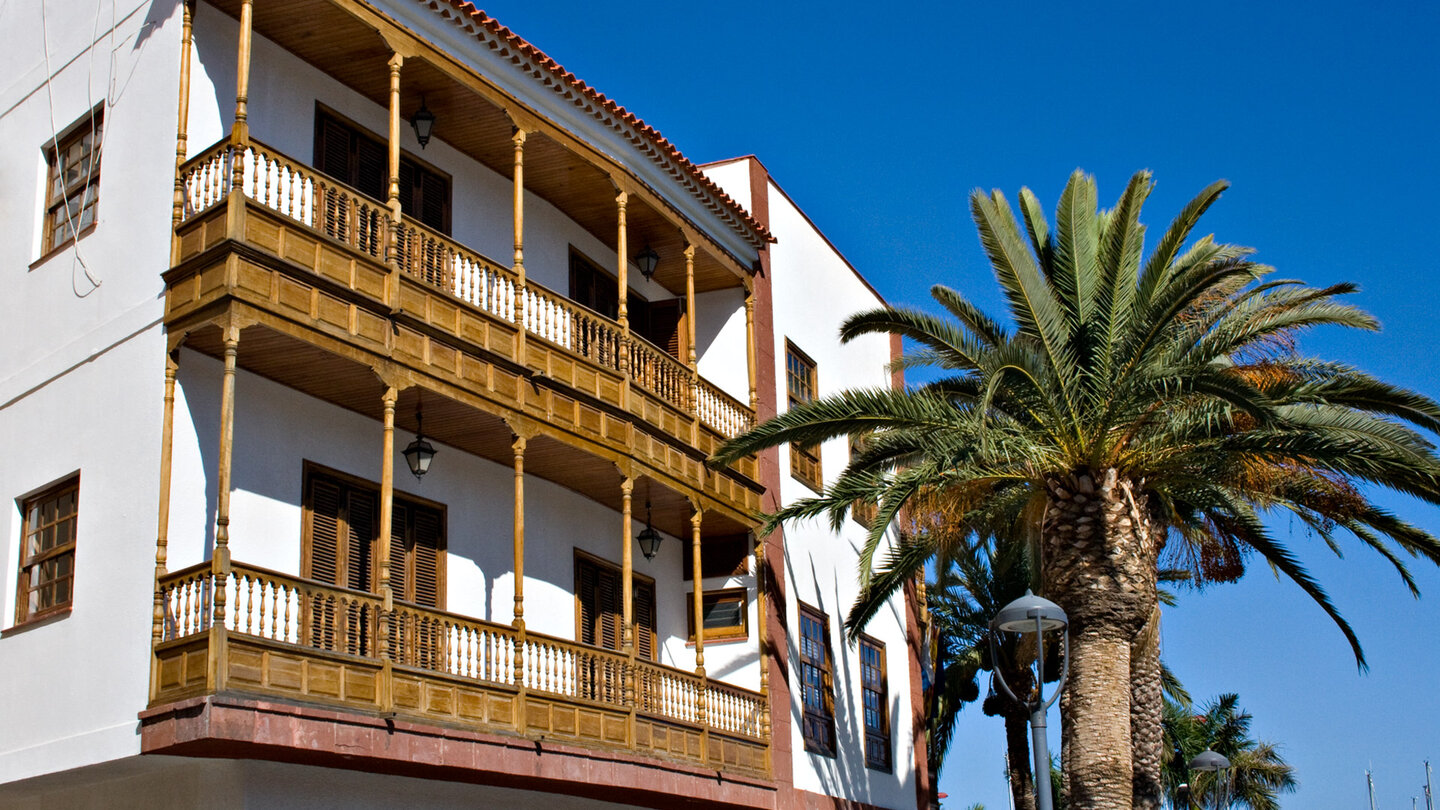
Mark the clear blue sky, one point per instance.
(879, 120)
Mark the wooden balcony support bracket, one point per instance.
(240, 130)
(392, 198)
(182, 128)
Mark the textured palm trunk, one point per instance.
(1098, 563)
(1146, 707)
(1017, 740)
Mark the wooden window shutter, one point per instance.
(644, 596)
(360, 522)
(427, 542)
(585, 593)
(372, 168)
(324, 531)
(399, 551)
(332, 150)
(609, 617)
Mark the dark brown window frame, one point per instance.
(28, 562)
(803, 459)
(876, 737)
(322, 112)
(738, 632)
(402, 589)
(825, 719)
(583, 557)
(56, 205)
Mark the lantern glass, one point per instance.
(418, 455)
(648, 260)
(649, 542)
(424, 123)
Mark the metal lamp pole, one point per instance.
(1032, 614)
(1211, 762)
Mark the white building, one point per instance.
(222, 584)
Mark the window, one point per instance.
(357, 158)
(660, 322)
(816, 682)
(875, 701)
(862, 511)
(341, 533)
(723, 613)
(800, 387)
(600, 611)
(72, 186)
(724, 556)
(47, 551)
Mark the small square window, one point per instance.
(72, 185)
(47, 551)
(723, 613)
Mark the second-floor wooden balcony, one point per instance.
(241, 630)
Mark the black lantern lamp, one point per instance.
(419, 453)
(424, 122)
(648, 537)
(647, 259)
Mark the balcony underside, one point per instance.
(319, 318)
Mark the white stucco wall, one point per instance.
(813, 290)
(81, 368)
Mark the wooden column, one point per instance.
(690, 308)
(182, 129)
(627, 569)
(220, 558)
(387, 511)
(518, 137)
(518, 536)
(392, 255)
(751, 365)
(699, 595)
(622, 272)
(240, 130)
(162, 520)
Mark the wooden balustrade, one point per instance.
(657, 372)
(302, 194)
(302, 613)
(721, 411)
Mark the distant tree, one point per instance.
(1258, 774)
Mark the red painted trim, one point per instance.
(245, 728)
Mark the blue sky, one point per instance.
(880, 119)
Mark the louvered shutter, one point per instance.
(399, 552)
(324, 531)
(332, 150)
(435, 202)
(664, 328)
(608, 616)
(427, 540)
(372, 168)
(644, 596)
(586, 593)
(360, 522)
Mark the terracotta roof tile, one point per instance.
(642, 135)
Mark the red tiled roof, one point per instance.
(645, 137)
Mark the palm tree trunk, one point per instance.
(1017, 740)
(1146, 731)
(1098, 564)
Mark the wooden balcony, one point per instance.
(276, 636)
(269, 241)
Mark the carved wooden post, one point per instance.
(220, 558)
(691, 360)
(392, 233)
(182, 129)
(240, 130)
(521, 439)
(750, 343)
(517, 138)
(761, 596)
(384, 643)
(162, 522)
(622, 262)
(627, 596)
(699, 608)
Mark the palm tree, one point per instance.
(1135, 406)
(970, 586)
(1258, 774)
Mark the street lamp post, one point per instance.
(1208, 761)
(1032, 614)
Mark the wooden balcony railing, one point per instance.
(269, 616)
(302, 194)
